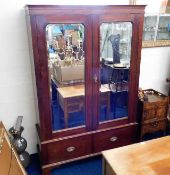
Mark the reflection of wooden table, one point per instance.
(145, 158)
(71, 99)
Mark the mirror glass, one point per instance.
(149, 28)
(115, 56)
(164, 28)
(66, 60)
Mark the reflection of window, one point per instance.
(56, 31)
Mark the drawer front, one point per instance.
(149, 113)
(114, 138)
(154, 126)
(149, 105)
(161, 111)
(155, 111)
(69, 148)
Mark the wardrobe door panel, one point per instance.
(64, 56)
(115, 58)
(66, 62)
(116, 68)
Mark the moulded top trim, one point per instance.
(83, 9)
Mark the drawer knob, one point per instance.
(154, 124)
(71, 149)
(113, 139)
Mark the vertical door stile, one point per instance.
(88, 73)
(96, 69)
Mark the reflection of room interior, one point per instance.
(66, 63)
(115, 62)
(71, 99)
(66, 55)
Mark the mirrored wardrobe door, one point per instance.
(66, 67)
(115, 58)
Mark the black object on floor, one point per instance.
(34, 167)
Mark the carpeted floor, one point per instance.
(34, 167)
(90, 166)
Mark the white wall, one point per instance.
(16, 91)
(155, 68)
(16, 87)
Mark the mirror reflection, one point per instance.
(149, 28)
(163, 28)
(66, 59)
(115, 53)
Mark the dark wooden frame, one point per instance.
(91, 16)
(42, 22)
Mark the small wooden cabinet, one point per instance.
(153, 112)
(88, 106)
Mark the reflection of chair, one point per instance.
(119, 79)
(119, 87)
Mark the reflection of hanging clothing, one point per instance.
(115, 40)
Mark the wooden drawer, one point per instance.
(155, 111)
(114, 138)
(153, 126)
(69, 148)
(148, 105)
(149, 113)
(161, 111)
